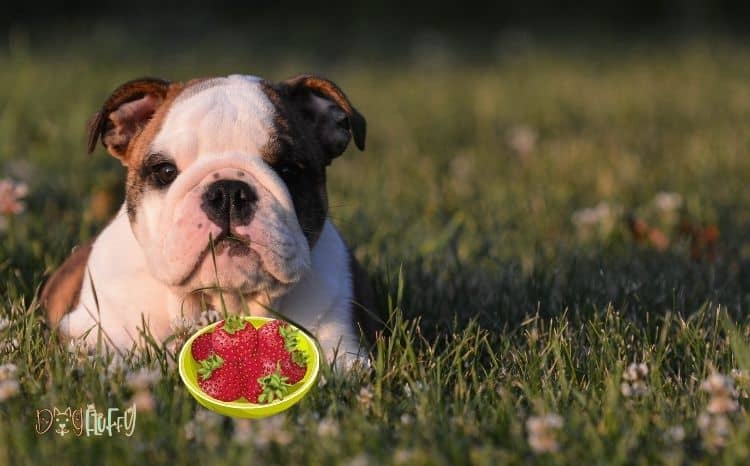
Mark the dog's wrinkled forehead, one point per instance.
(214, 116)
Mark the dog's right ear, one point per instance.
(125, 113)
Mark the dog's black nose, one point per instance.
(229, 201)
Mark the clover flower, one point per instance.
(723, 395)
(9, 386)
(9, 389)
(667, 201)
(634, 380)
(365, 397)
(328, 427)
(714, 423)
(8, 371)
(542, 433)
(522, 139)
(11, 193)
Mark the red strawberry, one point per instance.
(276, 339)
(235, 339)
(253, 371)
(262, 387)
(294, 366)
(220, 379)
(202, 347)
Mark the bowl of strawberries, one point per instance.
(249, 367)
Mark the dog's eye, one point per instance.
(164, 173)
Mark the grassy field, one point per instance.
(534, 221)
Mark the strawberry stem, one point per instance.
(209, 365)
(233, 324)
(274, 386)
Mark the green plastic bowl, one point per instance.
(245, 409)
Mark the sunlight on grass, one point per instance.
(537, 227)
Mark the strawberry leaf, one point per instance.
(275, 386)
(289, 335)
(209, 365)
(299, 358)
(233, 324)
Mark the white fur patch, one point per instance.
(322, 300)
(230, 114)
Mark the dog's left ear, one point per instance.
(126, 112)
(329, 111)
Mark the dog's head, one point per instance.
(237, 161)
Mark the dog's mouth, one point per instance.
(227, 242)
(234, 245)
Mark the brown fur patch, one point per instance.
(61, 292)
(101, 123)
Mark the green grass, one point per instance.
(500, 307)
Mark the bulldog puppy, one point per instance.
(226, 186)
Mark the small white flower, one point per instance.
(636, 371)
(722, 405)
(328, 427)
(189, 429)
(718, 385)
(542, 432)
(11, 193)
(591, 216)
(9, 389)
(667, 201)
(406, 419)
(365, 397)
(522, 139)
(713, 423)
(722, 392)
(675, 434)
(8, 371)
(634, 380)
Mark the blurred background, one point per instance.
(522, 157)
